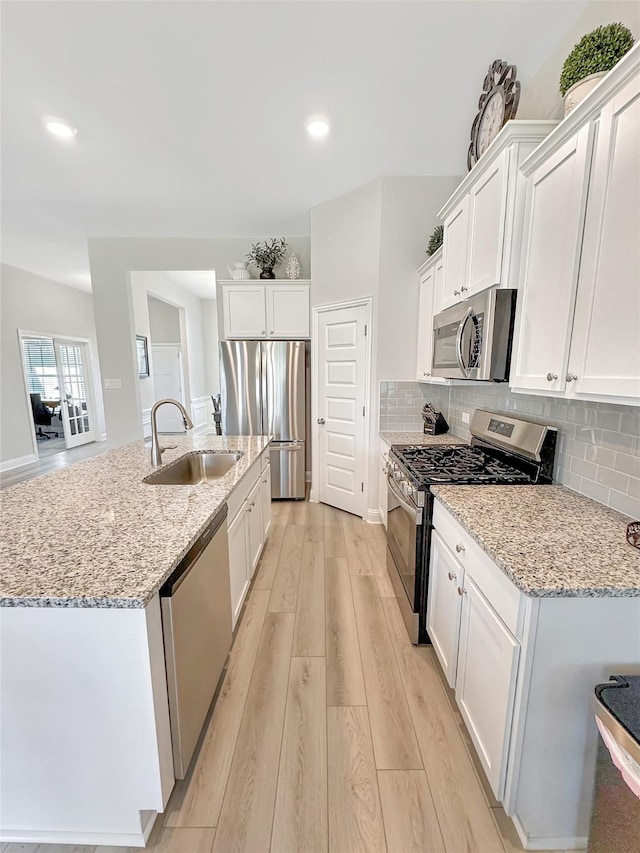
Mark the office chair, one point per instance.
(41, 417)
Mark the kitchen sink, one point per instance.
(202, 466)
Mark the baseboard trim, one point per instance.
(313, 496)
(373, 516)
(547, 843)
(18, 462)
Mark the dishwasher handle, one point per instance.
(183, 568)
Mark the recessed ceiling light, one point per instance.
(317, 126)
(60, 128)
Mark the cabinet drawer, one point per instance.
(241, 491)
(504, 596)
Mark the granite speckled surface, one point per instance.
(420, 438)
(549, 540)
(95, 535)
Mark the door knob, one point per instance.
(551, 377)
(571, 377)
(321, 420)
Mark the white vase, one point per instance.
(292, 270)
(579, 91)
(238, 271)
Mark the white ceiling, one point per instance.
(190, 115)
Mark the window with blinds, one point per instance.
(42, 373)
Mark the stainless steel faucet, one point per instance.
(156, 450)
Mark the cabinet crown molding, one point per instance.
(513, 133)
(586, 110)
(240, 282)
(432, 259)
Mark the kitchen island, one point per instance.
(85, 722)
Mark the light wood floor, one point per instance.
(331, 731)
(51, 461)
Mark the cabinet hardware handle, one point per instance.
(461, 590)
(463, 289)
(452, 576)
(263, 332)
(248, 509)
(271, 331)
(571, 377)
(321, 421)
(456, 293)
(459, 548)
(551, 377)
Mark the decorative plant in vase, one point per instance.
(595, 54)
(267, 255)
(436, 239)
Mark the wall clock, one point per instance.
(498, 103)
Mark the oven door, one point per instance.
(404, 522)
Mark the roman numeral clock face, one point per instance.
(498, 103)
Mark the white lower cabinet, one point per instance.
(486, 681)
(446, 575)
(247, 527)
(238, 561)
(265, 499)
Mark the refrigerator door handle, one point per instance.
(289, 448)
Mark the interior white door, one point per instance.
(77, 406)
(341, 371)
(167, 382)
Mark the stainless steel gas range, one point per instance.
(504, 450)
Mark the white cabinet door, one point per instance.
(487, 214)
(245, 311)
(382, 488)
(288, 311)
(425, 324)
(265, 499)
(238, 562)
(456, 235)
(556, 195)
(486, 682)
(605, 347)
(444, 604)
(255, 529)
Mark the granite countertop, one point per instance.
(420, 438)
(95, 535)
(549, 540)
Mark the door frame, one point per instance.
(362, 302)
(91, 396)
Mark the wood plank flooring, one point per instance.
(331, 731)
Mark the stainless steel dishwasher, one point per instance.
(196, 623)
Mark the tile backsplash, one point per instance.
(598, 452)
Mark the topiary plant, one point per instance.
(598, 51)
(436, 239)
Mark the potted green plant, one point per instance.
(595, 54)
(267, 255)
(436, 239)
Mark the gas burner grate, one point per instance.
(457, 465)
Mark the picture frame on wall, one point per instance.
(143, 356)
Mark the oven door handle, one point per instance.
(415, 512)
(463, 367)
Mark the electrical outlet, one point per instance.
(112, 384)
(465, 417)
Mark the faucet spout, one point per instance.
(156, 450)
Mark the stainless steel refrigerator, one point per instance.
(262, 385)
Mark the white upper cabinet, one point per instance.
(483, 218)
(579, 302)
(431, 279)
(605, 347)
(265, 310)
(551, 255)
(245, 310)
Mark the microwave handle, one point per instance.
(463, 367)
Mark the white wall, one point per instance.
(370, 242)
(542, 98)
(164, 322)
(111, 261)
(35, 304)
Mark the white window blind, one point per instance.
(40, 361)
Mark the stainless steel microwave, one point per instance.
(472, 340)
